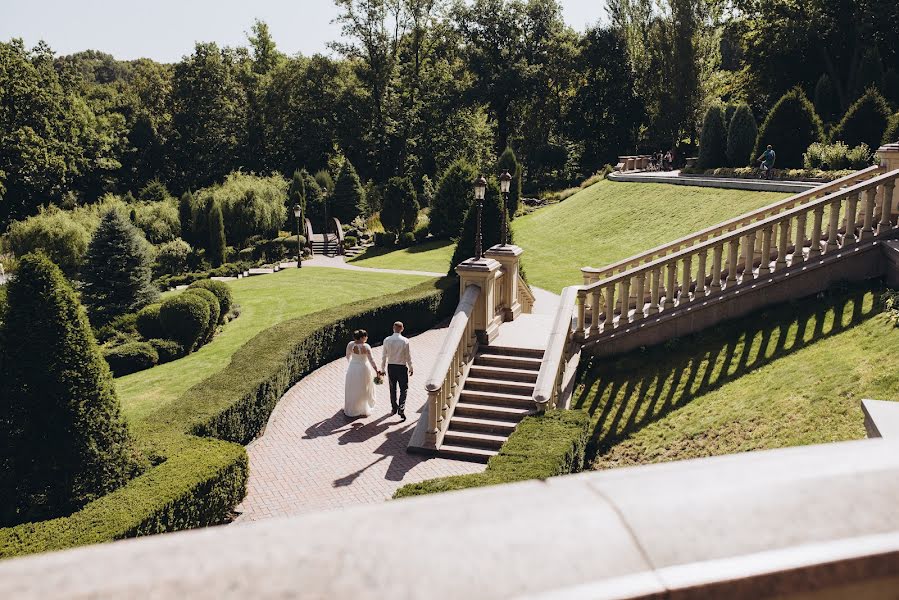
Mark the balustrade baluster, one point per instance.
(433, 413)
(782, 242)
(654, 290)
(868, 215)
(748, 255)
(595, 296)
(834, 226)
(581, 313)
(670, 284)
(798, 255)
(815, 250)
(610, 308)
(624, 319)
(640, 294)
(717, 251)
(851, 214)
(732, 253)
(686, 279)
(700, 273)
(765, 265)
(886, 216)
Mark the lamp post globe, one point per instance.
(505, 183)
(298, 213)
(480, 188)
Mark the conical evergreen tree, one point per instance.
(508, 161)
(117, 273)
(399, 212)
(741, 137)
(491, 226)
(216, 235)
(185, 216)
(791, 127)
(865, 122)
(65, 441)
(348, 200)
(892, 133)
(315, 200)
(296, 194)
(453, 197)
(713, 140)
(827, 103)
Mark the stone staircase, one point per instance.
(496, 395)
(318, 245)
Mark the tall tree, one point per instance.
(216, 236)
(348, 199)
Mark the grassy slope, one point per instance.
(264, 301)
(790, 376)
(433, 257)
(610, 221)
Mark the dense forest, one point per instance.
(413, 85)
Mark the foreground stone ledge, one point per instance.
(814, 519)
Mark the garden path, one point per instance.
(337, 262)
(675, 177)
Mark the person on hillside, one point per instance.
(396, 359)
(767, 161)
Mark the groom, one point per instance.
(398, 359)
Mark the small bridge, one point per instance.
(328, 242)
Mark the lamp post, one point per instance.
(298, 213)
(480, 187)
(505, 182)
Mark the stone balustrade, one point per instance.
(821, 225)
(633, 163)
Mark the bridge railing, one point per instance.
(773, 243)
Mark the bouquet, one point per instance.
(379, 379)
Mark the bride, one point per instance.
(359, 389)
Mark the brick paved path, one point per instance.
(312, 457)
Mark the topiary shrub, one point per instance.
(452, 200)
(131, 358)
(385, 239)
(741, 135)
(214, 311)
(865, 122)
(222, 293)
(713, 139)
(184, 318)
(216, 248)
(891, 134)
(791, 127)
(407, 239)
(508, 161)
(350, 241)
(167, 350)
(172, 257)
(147, 322)
(399, 211)
(348, 199)
(421, 233)
(65, 441)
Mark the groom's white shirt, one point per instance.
(396, 352)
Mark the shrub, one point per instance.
(859, 157)
(167, 350)
(865, 122)
(246, 254)
(131, 358)
(215, 311)
(251, 205)
(159, 221)
(185, 216)
(741, 135)
(385, 239)
(348, 199)
(826, 101)
(791, 127)
(147, 322)
(65, 442)
(892, 132)
(350, 241)
(421, 233)
(184, 318)
(54, 232)
(838, 156)
(713, 139)
(399, 211)
(490, 227)
(509, 162)
(172, 257)
(407, 239)
(453, 198)
(121, 327)
(222, 293)
(216, 248)
(541, 446)
(154, 191)
(117, 276)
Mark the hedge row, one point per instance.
(542, 446)
(198, 481)
(814, 175)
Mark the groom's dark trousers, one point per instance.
(398, 376)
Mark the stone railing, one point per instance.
(526, 297)
(334, 223)
(548, 388)
(633, 163)
(592, 275)
(727, 259)
(450, 367)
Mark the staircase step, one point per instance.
(475, 440)
(517, 388)
(497, 399)
(485, 372)
(459, 423)
(510, 362)
(480, 455)
(491, 411)
(510, 351)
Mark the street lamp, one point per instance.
(480, 187)
(298, 213)
(505, 182)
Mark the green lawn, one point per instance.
(609, 221)
(433, 257)
(264, 301)
(790, 376)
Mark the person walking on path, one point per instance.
(398, 360)
(767, 160)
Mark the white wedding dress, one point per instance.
(359, 389)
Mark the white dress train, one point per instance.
(359, 388)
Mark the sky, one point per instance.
(166, 30)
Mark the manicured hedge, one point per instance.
(184, 318)
(221, 291)
(168, 350)
(214, 311)
(542, 446)
(131, 358)
(147, 322)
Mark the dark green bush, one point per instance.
(791, 127)
(350, 241)
(216, 247)
(407, 239)
(891, 135)
(123, 325)
(184, 318)
(222, 293)
(421, 234)
(167, 350)
(54, 232)
(131, 358)
(399, 210)
(385, 239)
(827, 103)
(542, 446)
(215, 310)
(348, 199)
(741, 135)
(452, 200)
(147, 322)
(172, 257)
(713, 139)
(65, 442)
(508, 161)
(865, 122)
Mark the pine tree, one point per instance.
(509, 162)
(453, 197)
(741, 137)
(315, 200)
(216, 235)
(713, 140)
(185, 216)
(399, 212)
(348, 199)
(117, 273)
(491, 226)
(65, 441)
(790, 128)
(892, 133)
(296, 194)
(865, 122)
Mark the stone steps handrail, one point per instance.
(739, 221)
(741, 244)
(457, 351)
(526, 296)
(549, 378)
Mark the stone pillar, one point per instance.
(888, 154)
(509, 257)
(482, 273)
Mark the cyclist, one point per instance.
(767, 161)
